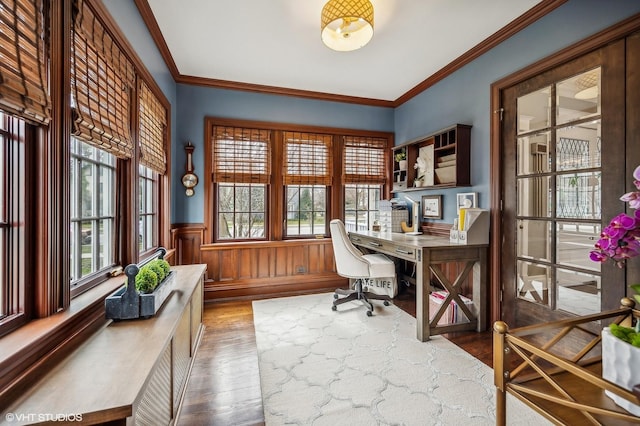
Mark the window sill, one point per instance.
(39, 344)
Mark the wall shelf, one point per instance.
(445, 155)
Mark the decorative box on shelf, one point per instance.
(128, 303)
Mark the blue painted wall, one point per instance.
(196, 103)
(464, 96)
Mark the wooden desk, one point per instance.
(429, 252)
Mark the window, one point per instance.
(102, 81)
(12, 221)
(148, 221)
(241, 172)
(361, 206)
(241, 211)
(364, 175)
(274, 181)
(92, 210)
(24, 100)
(152, 118)
(306, 210)
(307, 176)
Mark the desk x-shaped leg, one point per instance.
(454, 293)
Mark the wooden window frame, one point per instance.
(53, 323)
(147, 179)
(276, 208)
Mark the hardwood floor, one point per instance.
(224, 386)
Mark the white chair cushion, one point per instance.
(380, 266)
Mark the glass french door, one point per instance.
(560, 128)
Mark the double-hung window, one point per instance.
(102, 81)
(152, 118)
(364, 176)
(93, 177)
(241, 174)
(12, 219)
(24, 104)
(307, 178)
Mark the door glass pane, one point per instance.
(578, 195)
(533, 153)
(578, 293)
(574, 241)
(533, 239)
(579, 97)
(533, 282)
(559, 194)
(534, 197)
(534, 111)
(579, 146)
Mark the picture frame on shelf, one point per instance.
(466, 200)
(432, 206)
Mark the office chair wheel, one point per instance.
(369, 313)
(334, 308)
(386, 303)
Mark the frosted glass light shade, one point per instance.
(347, 24)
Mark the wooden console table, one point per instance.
(128, 372)
(429, 252)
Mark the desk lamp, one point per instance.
(415, 217)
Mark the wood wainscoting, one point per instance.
(258, 268)
(273, 268)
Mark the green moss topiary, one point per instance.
(156, 267)
(146, 280)
(165, 265)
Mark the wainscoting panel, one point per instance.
(258, 268)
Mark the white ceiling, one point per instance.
(277, 42)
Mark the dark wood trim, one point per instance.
(596, 41)
(523, 21)
(495, 183)
(156, 34)
(164, 190)
(187, 240)
(282, 91)
(526, 19)
(53, 270)
(114, 30)
(281, 288)
(582, 47)
(632, 132)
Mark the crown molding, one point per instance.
(524, 20)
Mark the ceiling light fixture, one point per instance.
(587, 85)
(347, 24)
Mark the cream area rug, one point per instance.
(320, 367)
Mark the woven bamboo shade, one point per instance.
(152, 131)
(364, 160)
(308, 158)
(346, 24)
(102, 79)
(23, 76)
(241, 155)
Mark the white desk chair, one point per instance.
(351, 263)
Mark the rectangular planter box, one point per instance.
(127, 303)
